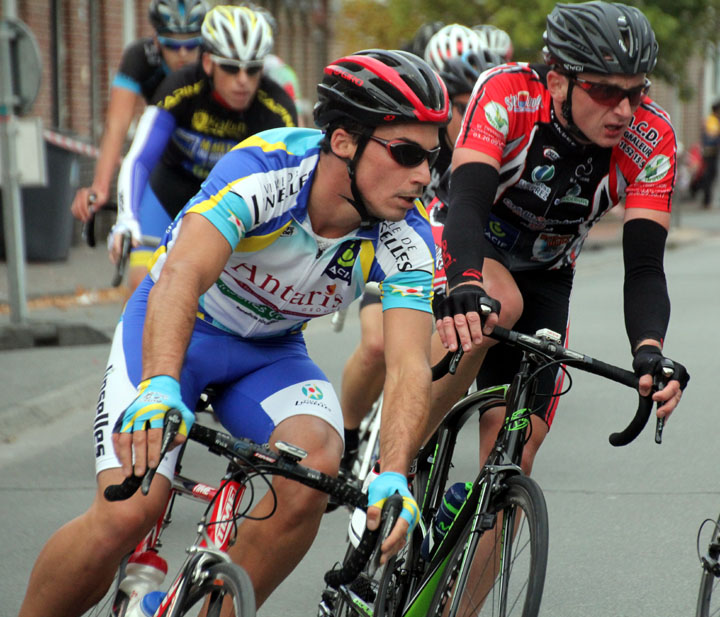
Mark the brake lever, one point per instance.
(668, 369)
(173, 420)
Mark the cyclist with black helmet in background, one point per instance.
(289, 225)
(456, 53)
(543, 153)
(145, 63)
(198, 114)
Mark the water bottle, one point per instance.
(151, 603)
(452, 502)
(144, 573)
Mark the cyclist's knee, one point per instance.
(373, 347)
(537, 436)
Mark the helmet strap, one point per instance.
(566, 109)
(367, 220)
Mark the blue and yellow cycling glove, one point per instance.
(155, 397)
(387, 484)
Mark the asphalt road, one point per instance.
(623, 522)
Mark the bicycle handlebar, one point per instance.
(244, 453)
(556, 351)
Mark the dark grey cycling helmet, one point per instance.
(461, 73)
(177, 16)
(600, 37)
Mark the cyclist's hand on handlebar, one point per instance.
(140, 427)
(87, 201)
(386, 484)
(651, 367)
(466, 312)
(115, 238)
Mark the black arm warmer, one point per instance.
(647, 305)
(472, 192)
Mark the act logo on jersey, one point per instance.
(497, 116)
(655, 169)
(341, 265)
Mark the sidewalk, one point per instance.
(45, 382)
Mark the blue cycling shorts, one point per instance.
(259, 382)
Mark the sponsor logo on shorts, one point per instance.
(312, 391)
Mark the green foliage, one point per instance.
(684, 28)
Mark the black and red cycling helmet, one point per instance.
(600, 37)
(377, 87)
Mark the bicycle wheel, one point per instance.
(222, 583)
(708, 596)
(500, 571)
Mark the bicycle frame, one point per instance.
(214, 535)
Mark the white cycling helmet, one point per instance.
(496, 40)
(237, 32)
(451, 42)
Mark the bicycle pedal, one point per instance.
(487, 521)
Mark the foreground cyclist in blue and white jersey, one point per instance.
(290, 225)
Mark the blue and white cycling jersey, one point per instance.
(280, 273)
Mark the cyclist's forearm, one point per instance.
(406, 396)
(119, 116)
(168, 324)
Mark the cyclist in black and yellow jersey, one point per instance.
(144, 64)
(198, 114)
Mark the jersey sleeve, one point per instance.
(486, 123)
(132, 64)
(652, 187)
(406, 256)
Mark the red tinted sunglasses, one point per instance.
(408, 153)
(612, 95)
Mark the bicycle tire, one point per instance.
(220, 582)
(517, 590)
(708, 591)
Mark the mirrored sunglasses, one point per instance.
(408, 153)
(612, 95)
(233, 67)
(177, 44)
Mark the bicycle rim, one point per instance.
(222, 583)
(708, 596)
(499, 573)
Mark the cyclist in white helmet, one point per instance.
(496, 40)
(198, 114)
(144, 64)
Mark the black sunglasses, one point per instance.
(408, 153)
(612, 95)
(233, 67)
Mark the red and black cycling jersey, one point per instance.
(205, 129)
(142, 68)
(552, 189)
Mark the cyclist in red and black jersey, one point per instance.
(198, 114)
(543, 153)
(144, 64)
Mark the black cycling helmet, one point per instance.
(422, 36)
(600, 37)
(177, 16)
(377, 87)
(461, 73)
